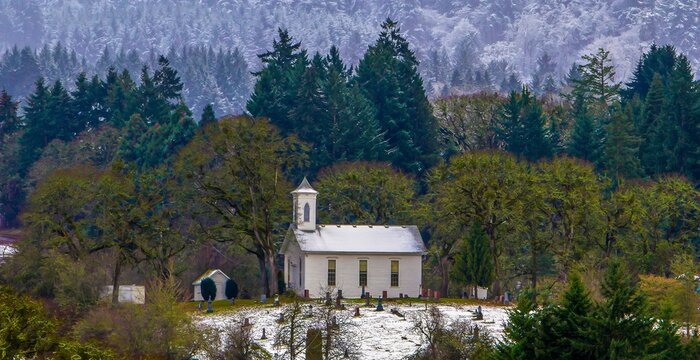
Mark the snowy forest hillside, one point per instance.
(464, 46)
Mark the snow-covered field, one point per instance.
(383, 334)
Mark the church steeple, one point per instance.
(305, 206)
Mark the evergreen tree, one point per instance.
(597, 84)
(682, 117)
(652, 130)
(621, 144)
(88, 101)
(585, 142)
(208, 116)
(39, 125)
(166, 80)
(388, 76)
(522, 127)
(9, 121)
(658, 60)
(275, 92)
(152, 105)
(472, 264)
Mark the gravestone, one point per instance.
(384, 295)
(357, 311)
(367, 298)
(263, 335)
(379, 305)
(328, 298)
(277, 301)
(314, 344)
(263, 299)
(340, 294)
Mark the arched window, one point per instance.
(307, 212)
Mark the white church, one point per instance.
(379, 259)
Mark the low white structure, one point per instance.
(376, 258)
(127, 293)
(219, 279)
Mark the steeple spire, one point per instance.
(305, 206)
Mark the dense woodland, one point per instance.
(581, 200)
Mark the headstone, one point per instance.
(199, 306)
(263, 299)
(476, 331)
(340, 294)
(314, 344)
(424, 293)
(478, 315)
(357, 311)
(334, 322)
(210, 309)
(437, 296)
(246, 322)
(337, 302)
(306, 293)
(346, 354)
(281, 319)
(277, 300)
(367, 299)
(328, 298)
(379, 305)
(362, 294)
(263, 335)
(400, 295)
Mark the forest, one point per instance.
(581, 201)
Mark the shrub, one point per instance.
(231, 289)
(25, 329)
(208, 287)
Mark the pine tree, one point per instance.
(275, 92)
(152, 105)
(621, 144)
(522, 127)
(472, 265)
(682, 117)
(59, 108)
(9, 121)
(658, 60)
(585, 141)
(652, 130)
(597, 84)
(166, 80)
(208, 116)
(388, 76)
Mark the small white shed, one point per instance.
(219, 279)
(127, 293)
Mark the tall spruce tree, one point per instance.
(682, 117)
(658, 60)
(652, 129)
(597, 83)
(472, 266)
(9, 121)
(208, 116)
(522, 127)
(621, 147)
(388, 76)
(275, 92)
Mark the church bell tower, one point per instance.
(305, 206)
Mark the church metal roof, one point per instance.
(304, 188)
(361, 239)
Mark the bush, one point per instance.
(158, 330)
(208, 287)
(231, 289)
(25, 329)
(239, 344)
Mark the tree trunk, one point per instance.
(263, 273)
(534, 275)
(272, 275)
(496, 288)
(445, 272)
(115, 279)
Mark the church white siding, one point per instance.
(348, 274)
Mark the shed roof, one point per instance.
(208, 273)
(369, 239)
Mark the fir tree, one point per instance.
(658, 60)
(388, 76)
(275, 91)
(522, 127)
(621, 144)
(585, 142)
(652, 130)
(682, 117)
(597, 84)
(9, 121)
(472, 264)
(208, 116)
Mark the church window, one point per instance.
(331, 272)
(394, 273)
(307, 212)
(363, 272)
